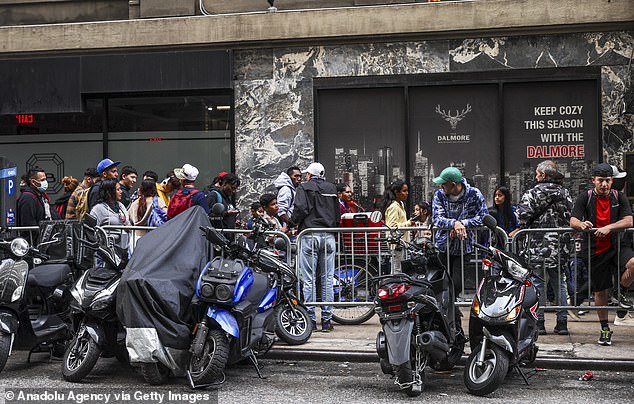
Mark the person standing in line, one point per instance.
(109, 211)
(225, 195)
(503, 211)
(33, 205)
(90, 175)
(548, 205)
(317, 206)
(139, 211)
(608, 211)
(393, 209)
(70, 183)
(456, 207)
(107, 170)
(128, 180)
(167, 187)
(286, 184)
(187, 195)
(624, 317)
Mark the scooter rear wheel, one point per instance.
(5, 345)
(485, 379)
(209, 366)
(80, 357)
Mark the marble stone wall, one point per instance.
(274, 88)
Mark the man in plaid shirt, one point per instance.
(456, 207)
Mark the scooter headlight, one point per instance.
(513, 313)
(517, 271)
(19, 247)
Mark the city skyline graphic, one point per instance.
(368, 172)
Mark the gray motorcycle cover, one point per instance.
(156, 289)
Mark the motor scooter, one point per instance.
(34, 310)
(503, 322)
(98, 332)
(419, 320)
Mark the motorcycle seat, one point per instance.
(259, 287)
(48, 275)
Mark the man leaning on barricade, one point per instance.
(456, 206)
(608, 211)
(547, 205)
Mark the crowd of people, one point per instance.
(457, 209)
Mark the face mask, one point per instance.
(43, 186)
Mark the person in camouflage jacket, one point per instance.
(547, 205)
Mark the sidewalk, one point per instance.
(577, 350)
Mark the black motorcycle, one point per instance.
(419, 319)
(34, 311)
(503, 322)
(98, 331)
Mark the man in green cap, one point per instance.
(456, 207)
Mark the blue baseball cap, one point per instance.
(106, 164)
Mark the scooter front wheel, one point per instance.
(292, 324)
(155, 373)
(487, 377)
(5, 345)
(80, 357)
(209, 366)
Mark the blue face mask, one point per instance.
(43, 186)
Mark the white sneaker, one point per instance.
(627, 320)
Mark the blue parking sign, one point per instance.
(10, 187)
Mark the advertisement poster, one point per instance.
(550, 120)
(454, 126)
(361, 141)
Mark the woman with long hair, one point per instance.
(503, 211)
(393, 208)
(141, 208)
(109, 211)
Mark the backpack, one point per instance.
(81, 207)
(157, 216)
(180, 202)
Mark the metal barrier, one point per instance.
(566, 262)
(358, 257)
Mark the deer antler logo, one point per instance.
(453, 120)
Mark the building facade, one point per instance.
(373, 92)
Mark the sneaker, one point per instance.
(606, 338)
(326, 326)
(624, 301)
(561, 328)
(314, 325)
(626, 320)
(541, 327)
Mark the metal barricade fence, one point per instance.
(359, 256)
(573, 264)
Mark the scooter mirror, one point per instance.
(217, 209)
(280, 244)
(490, 222)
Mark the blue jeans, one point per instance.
(558, 284)
(317, 253)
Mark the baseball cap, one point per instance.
(602, 170)
(618, 174)
(222, 174)
(187, 172)
(106, 164)
(449, 174)
(315, 169)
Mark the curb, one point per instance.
(372, 357)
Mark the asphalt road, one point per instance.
(300, 381)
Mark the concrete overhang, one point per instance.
(417, 21)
